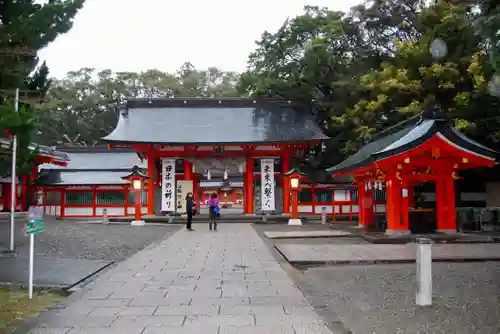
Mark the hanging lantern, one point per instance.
(225, 174)
(209, 177)
(193, 168)
(240, 168)
(369, 186)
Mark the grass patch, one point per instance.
(15, 305)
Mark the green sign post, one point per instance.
(34, 226)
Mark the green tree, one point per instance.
(26, 27)
(412, 81)
(83, 107)
(315, 58)
(372, 68)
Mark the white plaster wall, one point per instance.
(78, 212)
(131, 210)
(305, 208)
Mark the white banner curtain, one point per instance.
(267, 185)
(168, 198)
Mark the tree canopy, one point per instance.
(372, 67)
(362, 71)
(83, 107)
(26, 27)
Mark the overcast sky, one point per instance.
(132, 35)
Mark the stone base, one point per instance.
(447, 231)
(396, 232)
(296, 221)
(138, 223)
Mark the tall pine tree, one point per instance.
(27, 26)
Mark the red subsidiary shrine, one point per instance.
(427, 150)
(216, 139)
(46, 155)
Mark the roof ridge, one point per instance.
(396, 127)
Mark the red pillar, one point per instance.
(138, 204)
(94, 201)
(249, 189)
(361, 201)
(368, 206)
(295, 204)
(24, 192)
(404, 201)
(394, 202)
(151, 184)
(440, 203)
(285, 166)
(6, 196)
(188, 170)
(449, 220)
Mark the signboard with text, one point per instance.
(168, 198)
(267, 185)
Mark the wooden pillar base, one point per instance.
(249, 188)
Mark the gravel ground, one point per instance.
(72, 240)
(381, 298)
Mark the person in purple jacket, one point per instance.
(213, 208)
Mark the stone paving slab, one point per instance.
(194, 282)
(362, 254)
(306, 234)
(49, 271)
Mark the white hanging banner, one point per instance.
(168, 185)
(267, 185)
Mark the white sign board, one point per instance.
(168, 185)
(267, 185)
(183, 188)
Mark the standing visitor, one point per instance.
(213, 211)
(189, 211)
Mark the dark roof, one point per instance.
(91, 166)
(409, 136)
(66, 178)
(135, 172)
(215, 121)
(99, 160)
(43, 150)
(294, 170)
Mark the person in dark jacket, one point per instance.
(189, 210)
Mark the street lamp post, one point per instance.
(294, 176)
(137, 178)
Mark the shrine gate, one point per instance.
(215, 138)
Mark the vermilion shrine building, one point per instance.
(46, 155)
(200, 141)
(216, 138)
(427, 150)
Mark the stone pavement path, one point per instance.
(193, 282)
